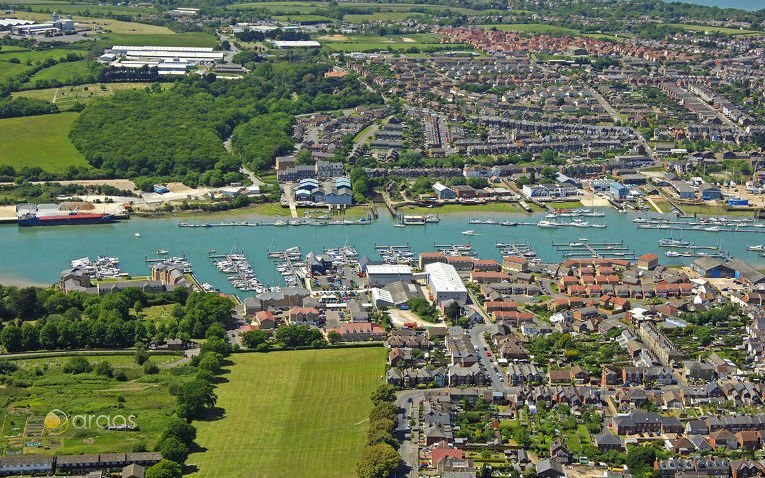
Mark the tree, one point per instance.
(383, 410)
(194, 398)
(383, 393)
(216, 345)
(141, 354)
(377, 461)
(640, 459)
(174, 449)
(253, 338)
(216, 330)
(211, 362)
(165, 469)
(181, 430)
(453, 310)
(376, 436)
(11, 338)
(333, 337)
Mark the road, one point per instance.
(617, 117)
(290, 199)
(251, 175)
(228, 55)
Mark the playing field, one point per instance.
(41, 141)
(297, 413)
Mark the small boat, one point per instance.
(672, 254)
(758, 247)
(469, 232)
(137, 234)
(399, 225)
(162, 252)
(547, 224)
(575, 244)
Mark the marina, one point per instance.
(27, 258)
(238, 270)
(584, 248)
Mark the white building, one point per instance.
(384, 274)
(148, 53)
(445, 284)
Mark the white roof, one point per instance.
(439, 187)
(9, 22)
(444, 278)
(389, 269)
(382, 295)
(183, 49)
(172, 54)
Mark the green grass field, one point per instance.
(10, 70)
(37, 56)
(301, 413)
(41, 141)
(146, 397)
(532, 28)
(67, 72)
(191, 39)
(421, 41)
(711, 29)
(65, 96)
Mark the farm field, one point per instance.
(191, 39)
(68, 72)
(292, 412)
(115, 26)
(66, 96)
(147, 397)
(37, 56)
(532, 28)
(709, 28)
(421, 41)
(304, 7)
(39, 141)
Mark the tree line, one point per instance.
(48, 319)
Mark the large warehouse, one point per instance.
(192, 55)
(445, 284)
(384, 274)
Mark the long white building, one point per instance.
(192, 55)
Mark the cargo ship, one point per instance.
(29, 215)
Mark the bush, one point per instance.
(78, 365)
(150, 368)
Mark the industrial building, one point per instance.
(384, 274)
(445, 284)
(56, 26)
(169, 60)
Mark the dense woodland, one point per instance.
(178, 134)
(37, 319)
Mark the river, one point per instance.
(35, 255)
